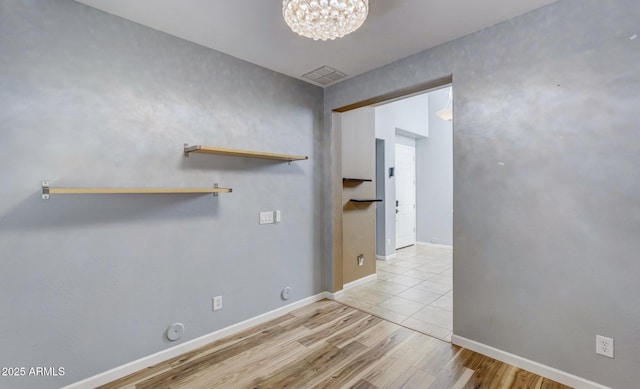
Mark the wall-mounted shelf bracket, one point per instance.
(45, 190)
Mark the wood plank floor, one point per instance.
(330, 345)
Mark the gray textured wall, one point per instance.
(546, 243)
(434, 171)
(89, 99)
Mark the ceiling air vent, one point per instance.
(324, 75)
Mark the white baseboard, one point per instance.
(132, 367)
(526, 364)
(337, 294)
(360, 281)
(443, 246)
(143, 363)
(386, 257)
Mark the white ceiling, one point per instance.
(254, 30)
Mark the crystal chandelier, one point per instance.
(325, 19)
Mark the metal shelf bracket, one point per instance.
(45, 189)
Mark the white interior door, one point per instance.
(405, 172)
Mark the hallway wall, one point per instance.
(434, 172)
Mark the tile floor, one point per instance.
(414, 289)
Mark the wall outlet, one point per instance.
(360, 259)
(604, 346)
(217, 303)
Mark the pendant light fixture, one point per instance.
(446, 113)
(324, 19)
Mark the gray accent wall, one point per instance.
(546, 181)
(87, 99)
(434, 172)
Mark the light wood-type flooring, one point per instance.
(330, 345)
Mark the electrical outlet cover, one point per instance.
(604, 346)
(217, 303)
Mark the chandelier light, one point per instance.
(324, 19)
(446, 113)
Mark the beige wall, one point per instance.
(358, 219)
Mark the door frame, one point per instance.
(336, 163)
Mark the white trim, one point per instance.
(360, 281)
(526, 364)
(387, 257)
(335, 295)
(338, 293)
(443, 246)
(161, 356)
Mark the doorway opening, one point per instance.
(413, 224)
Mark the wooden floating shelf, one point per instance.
(242, 153)
(356, 180)
(365, 200)
(135, 190)
(47, 190)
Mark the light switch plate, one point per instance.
(217, 303)
(266, 217)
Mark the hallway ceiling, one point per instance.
(255, 31)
